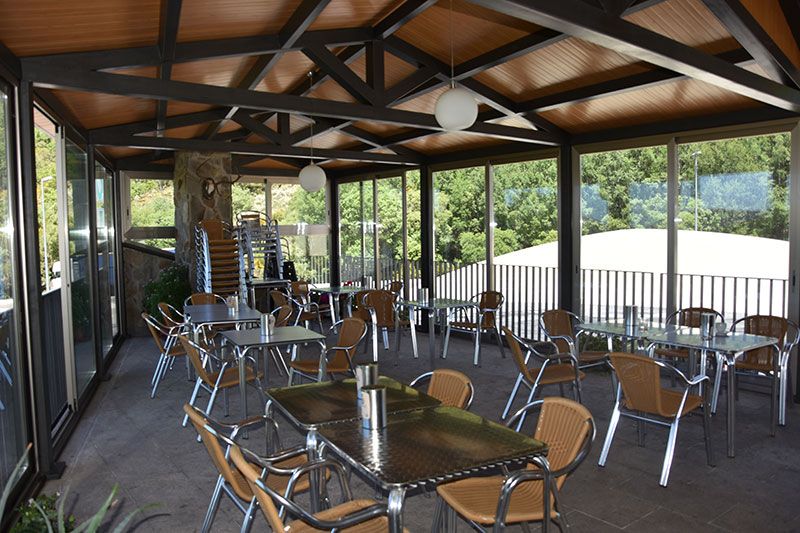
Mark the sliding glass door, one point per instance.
(106, 258)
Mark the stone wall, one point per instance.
(192, 169)
(140, 267)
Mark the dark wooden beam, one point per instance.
(10, 63)
(177, 121)
(746, 29)
(202, 145)
(376, 71)
(791, 12)
(271, 172)
(411, 82)
(341, 73)
(136, 161)
(167, 38)
(596, 26)
(299, 22)
(524, 45)
(257, 127)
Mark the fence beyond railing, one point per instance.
(531, 290)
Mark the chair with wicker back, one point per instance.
(487, 305)
(339, 358)
(204, 298)
(213, 381)
(352, 516)
(279, 466)
(166, 339)
(395, 286)
(640, 393)
(380, 306)
(306, 311)
(559, 326)
(689, 317)
(769, 361)
(485, 502)
(450, 387)
(555, 369)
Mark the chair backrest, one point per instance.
(769, 326)
(300, 290)
(358, 305)
(490, 300)
(158, 330)
(279, 298)
(283, 315)
(564, 425)
(251, 474)
(217, 453)
(517, 354)
(201, 298)
(640, 378)
(557, 322)
(450, 387)
(214, 228)
(382, 302)
(193, 351)
(170, 314)
(351, 331)
(690, 316)
(395, 286)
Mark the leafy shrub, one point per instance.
(172, 286)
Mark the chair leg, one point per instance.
(213, 506)
(529, 400)
(374, 343)
(446, 341)
(249, 515)
(499, 341)
(385, 339)
(291, 376)
(192, 400)
(211, 399)
(157, 370)
(784, 383)
(717, 386)
(512, 396)
(673, 435)
(476, 357)
(707, 433)
(612, 428)
(157, 375)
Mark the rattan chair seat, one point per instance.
(560, 373)
(377, 525)
(311, 366)
(231, 377)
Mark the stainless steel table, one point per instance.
(216, 314)
(616, 328)
(334, 291)
(730, 347)
(267, 283)
(422, 448)
(245, 339)
(434, 307)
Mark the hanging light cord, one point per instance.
(310, 86)
(452, 63)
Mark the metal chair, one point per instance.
(689, 317)
(202, 298)
(301, 291)
(395, 286)
(639, 393)
(213, 381)
(559, 326)
(339, 358)
(380, 306)
(306, 311)
(218, 438)
(171, 316)
(353, 516)
(556, 369)
(450, 387)
(762, 362)
(487, 305)
(166, 339)
(519, 497)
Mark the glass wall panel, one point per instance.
(733, 234)
(459, 215)
(624, 237)
(247, 197)
(106, 265)
(303, 218)
(77, 210)
(390, 229)
(13, 434)
(526, 242)
(414, 232)
(352, 240)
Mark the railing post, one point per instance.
(569, 228)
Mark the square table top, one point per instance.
(428, 446)
(218, 314)
(267, 282)
(617, 328)
(309, 405)
(436, 303)
(281, 336)
(686, 337)
(338, 289)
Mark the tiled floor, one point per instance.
(127, 439)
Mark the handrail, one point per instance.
(150, 250)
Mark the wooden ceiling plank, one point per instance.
(594, 25)
(401, 16)
(746, 29)
(791, 11)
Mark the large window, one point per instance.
(46, 147)
(248, 197)
(733, 234)
(152, 206)
(106, 258)
(13, 434)
(623, 232)
(353, 228)
(526, 241)
(459, 207)
(303, 222)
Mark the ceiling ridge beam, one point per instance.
(258, 128)
(176, 121)
(167, 39)
(203, 145)
(754, 38)
(401, 16)
(299, 22)
(791, 12)
(596, 26)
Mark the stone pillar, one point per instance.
(193, 170)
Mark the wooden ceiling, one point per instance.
(535, 85)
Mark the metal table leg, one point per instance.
(242, 380)
(395, 509)
(322, 361)
(432, 336)
(313, 477)
(731, 416)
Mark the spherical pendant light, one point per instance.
(456, 109)
(312, 178)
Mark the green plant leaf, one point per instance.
(60, 520)
(122, 525)
(44, 515)
(93, 524)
